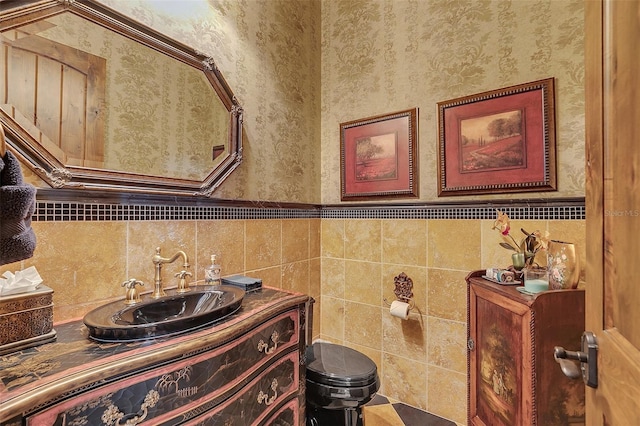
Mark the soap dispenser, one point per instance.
(212, 272)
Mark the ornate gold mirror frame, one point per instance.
(173, 135)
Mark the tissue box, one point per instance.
(26, 319)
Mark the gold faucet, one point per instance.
(158, 290)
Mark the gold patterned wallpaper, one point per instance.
(268, 51)
(297, 80)
(381, 56)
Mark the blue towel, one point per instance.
(17, 204)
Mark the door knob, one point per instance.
(564, 358)
(587, 357)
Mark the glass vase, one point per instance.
(518, 261)
(562, 262)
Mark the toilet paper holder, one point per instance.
(403, 290)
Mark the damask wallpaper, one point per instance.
(269, 53)
(381, 56)
(298, 79)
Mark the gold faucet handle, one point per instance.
(132, 296)
(183, 274)
(132, 283)
(183, 287)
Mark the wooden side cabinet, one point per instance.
(513, 378)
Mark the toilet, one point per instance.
(340, 381)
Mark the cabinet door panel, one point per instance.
(498, 371)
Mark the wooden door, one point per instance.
(612, 30)
(56, 93)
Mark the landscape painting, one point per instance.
(376, 157)
(379, 156)
(492, 142)
(500, 141)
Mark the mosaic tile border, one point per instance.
(48, 211)
(479, 212)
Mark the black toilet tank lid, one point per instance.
(339, 365)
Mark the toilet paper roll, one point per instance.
(399, 309)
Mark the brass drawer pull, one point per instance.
(264, 398)
(113, 415)
(262, 346)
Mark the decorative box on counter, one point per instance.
(244, 282)
(26, 319)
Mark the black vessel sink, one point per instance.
(173, 314)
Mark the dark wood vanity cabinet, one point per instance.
(247, 370)
(513, 377)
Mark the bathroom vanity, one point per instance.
(247, 369)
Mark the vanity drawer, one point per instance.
(259, 400)
(185, 388)
(286, 416)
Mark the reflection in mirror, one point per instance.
(93, 100)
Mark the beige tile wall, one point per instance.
(421, 361)
(86, 262)
(347, 265)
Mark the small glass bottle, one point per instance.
(212, 272)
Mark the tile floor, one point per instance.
(380, 411)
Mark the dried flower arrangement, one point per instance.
(529, 245)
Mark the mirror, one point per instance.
(91, 99)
